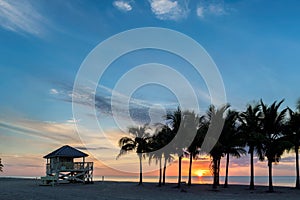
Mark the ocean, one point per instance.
(288, 181)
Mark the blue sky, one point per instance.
(255, 45)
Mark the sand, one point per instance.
(11, 188)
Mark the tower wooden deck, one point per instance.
(61, 168)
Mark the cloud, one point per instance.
(53, 91)
(217, 9)
(212, 8)
(122, 5)
(90, 148)
(169, 9)
(57, 132)
(23, 165)
(200, 11)
(21, 17)
(288, 159)
(141, 111)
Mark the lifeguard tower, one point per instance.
(61, 168)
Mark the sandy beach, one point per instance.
(11, 188)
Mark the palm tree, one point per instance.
(214, 116)
(160, 148)
(157, 155)
(156, 143)
(138, 143)
(293, 135)
(193, 151)
(191, 124)
(274, 144)
(231, 140)
(216, 154)
(1, 166)
(167, 159)
(174, 120)
(167, 137)
(250, 129)
(185, 126)
(195, 147)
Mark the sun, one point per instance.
(199, 173)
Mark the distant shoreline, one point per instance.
(284, 181)
(136, 182)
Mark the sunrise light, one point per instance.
(201, 172)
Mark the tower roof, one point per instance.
(66, 151)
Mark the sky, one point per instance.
(43, 47)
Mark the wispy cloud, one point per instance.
(169, 9)
(90, 148)
(53, 91)
(57, 132)
(141, 111)
(21, 17)
(212, 8)
(200, 12)
(124, 6)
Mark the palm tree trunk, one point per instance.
(141, 170)
(160, 173)
(179, 172)
(218, 172)
(251, 170)
(297, 167)
(215, 169)
(226, 177)
(190, 170)
(271, 189)
(164, 172)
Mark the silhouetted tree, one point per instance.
(251, 132)
(272, 127)
(193, 151)
(191, 124)
(155, 144)
(231, 140)
(138, 143)
(293, 135)
(161, 150)
(1, 166)
(167, 136)
(158, 145)
(195, 147)
(174, 120)
(185, 126)
(215, 116)
(167, 159)
(167, 151)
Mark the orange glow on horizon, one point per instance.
(201, 172)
